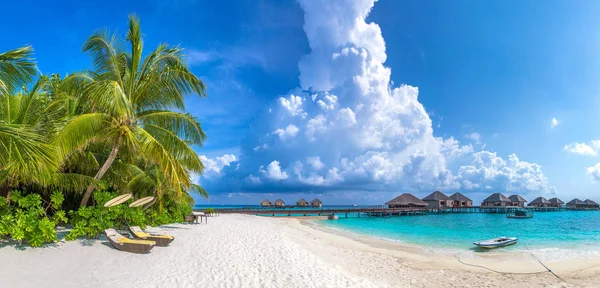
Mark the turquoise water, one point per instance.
(574, 231)
(283, 212)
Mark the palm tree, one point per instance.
(151, 181)
(136, 104)
(24, 153)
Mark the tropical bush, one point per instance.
(91, 221)
(25, 218)
(120, 127)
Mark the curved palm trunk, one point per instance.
(111, 158)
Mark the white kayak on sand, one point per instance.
(496, 242)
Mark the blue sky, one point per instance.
(490, 76)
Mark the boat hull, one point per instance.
(496, 243)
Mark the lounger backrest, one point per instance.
(136, 229)
(112, 232)
(113, 235)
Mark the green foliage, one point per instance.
(209, 210)
(91, 221)
(25, 219)
(173, 213)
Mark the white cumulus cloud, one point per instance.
(594, 172)
(353, 130)
(288, 133)
(590, 149)
(273, 171)
(554, 122)
(214, 166)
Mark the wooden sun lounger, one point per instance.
(123, 243)
(161, 240)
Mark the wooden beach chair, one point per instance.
(161, 240)
(123, 243)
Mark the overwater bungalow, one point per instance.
(279, 203)
(496, 200)
(265, 203)
(460, 200)
(407, 200)
(517, 200)
(316, 203)
(302, 203)
(437, 200)
(576, 203)
(590, 204)
(555, 202)
(540, 202)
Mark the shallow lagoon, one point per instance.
(563, 234)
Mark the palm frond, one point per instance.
(17, 67)
(82, 130)
(183, 125)
(195, 188)
(25, 155)
(105, 49)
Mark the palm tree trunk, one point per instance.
(111, 158)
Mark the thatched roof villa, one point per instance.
(517, 200)
(302, 203)
(590, 204)
(496, 200)
(555, 202)
(316, 203)
(438, 199)
(540, 202)
(406, 200)
(279, 203)
(460, 200)
(265, 203)
(576, 203)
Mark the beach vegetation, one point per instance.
(69, 143)
(26, 217)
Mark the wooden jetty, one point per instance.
(382, 211)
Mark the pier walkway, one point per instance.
(380, 211)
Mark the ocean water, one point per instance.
(555, 235)
(283, 212)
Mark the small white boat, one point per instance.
(496, 242)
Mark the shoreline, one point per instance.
(426, 258)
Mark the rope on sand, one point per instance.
(504, 273)
(530, 253)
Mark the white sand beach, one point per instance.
(250, 251)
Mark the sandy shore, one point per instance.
(249, 251)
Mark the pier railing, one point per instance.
(379, 210)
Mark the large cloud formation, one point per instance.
(347, 127)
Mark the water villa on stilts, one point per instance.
(590, 204)
(405, 204)
(279, 203)
(438, 200)
(302, 203)
(540, 202)
(265, 203)
(576, 203)
(555, 202)
(316, 203)
(495, 203)
(460, 200)
(517, 200)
